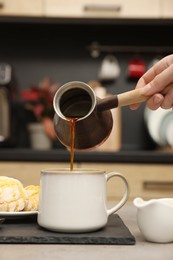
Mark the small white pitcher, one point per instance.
(155, 219)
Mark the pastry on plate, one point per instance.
(13, 196)
(33, 198)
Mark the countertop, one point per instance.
(63, 155)
(142, 250)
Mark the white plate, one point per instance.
(20, 214)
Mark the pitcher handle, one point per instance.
(125, 195)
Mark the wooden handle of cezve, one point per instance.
(125, 99)
(131, 97)
(135, 96)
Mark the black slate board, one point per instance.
(27, 231)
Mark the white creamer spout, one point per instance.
(140, 203)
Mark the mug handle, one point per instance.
(126, 193)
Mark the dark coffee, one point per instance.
(72, 122)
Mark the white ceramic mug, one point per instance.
(75, 201)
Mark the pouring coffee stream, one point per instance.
(94, 121)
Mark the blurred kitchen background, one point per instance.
(46, 43)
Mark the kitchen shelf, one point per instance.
(62, 155)
(84, 21)
(129, 49)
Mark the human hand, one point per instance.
(154, 81)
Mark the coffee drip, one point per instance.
(72, 122)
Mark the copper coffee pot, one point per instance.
(78, 100)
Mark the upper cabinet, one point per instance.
(21, 7)
(88, 8)
(167, 8)
(102, 8)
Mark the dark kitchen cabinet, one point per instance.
(62, 49)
